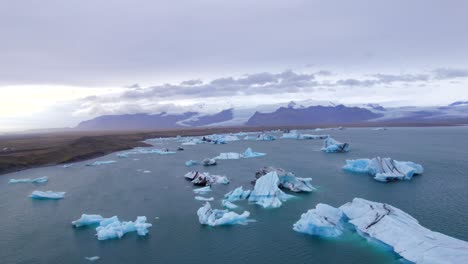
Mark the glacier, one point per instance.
(288, 180)
(324, 221)
(205, 179)
(103, 162)
(217, 217)
(111, 228)
(384, 169)
(201, 198)
(87, 219)
(330, 146)
(266, 192)
(237, 194)
(40, 195)
(28, 180)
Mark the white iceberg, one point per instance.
(40, 195)
(202, 190)
(384, 169)
(288, 180)
(27, 180)
(92, 259)
(86, 220)
(248, 153)
(228, 204)
(266, 192)
(265, 137)
(217, 217)
(103, 162)
(209, 162)
(228, 155)
(204, 178)
(111, 228)
(324, 221)
(190, 163)
(237, 194)
(201, 198)
(293, 134)
(403, 233)
(330, 145)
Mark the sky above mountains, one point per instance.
(65, 61)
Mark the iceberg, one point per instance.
(92, 259)
(265, 137)
(86, 220)
(209, 162)
(190, 163)
(27, 180)
(228, 204)
(98, 163)
(324, 221)
(288, 180)
(39, 195)
(384, 169)
(266, 192)
(217, 217)
(200, 198)
(403, 233)
(204, 178)
(330, 145)
(309, 136)
(293, 134)
(136, 151)
(237, 194)
(122, 155)
(228, 155)
(111, 228)
(248, 153)
(202, 190)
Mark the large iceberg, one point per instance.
(324, 221)
(28, 180)
(216, 217)
(103, 162)
(237, 194)
(330, 145)
(403, 233)
(266, 192)
(86, 220)
(204, 178)
(288, 180)
(40, 195)
(112, 227)
(384, 169)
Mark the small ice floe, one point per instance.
(248, 153)
(110, 228)
(92, 259)
(122, 155)
(146, 171)
(67, 165)
(324, 221)
(28, 180)
(266, 192)
(237, 194)
(87, 220)
(261, 137)
(190, 163)
(228, 204)
(217, 217)
(202, 190)
(380, 128)
(209, 162)
(201, 198)
(228, 155)
(204, 178)
(332, 146)
(40, 195)
(288, 180)
(384, 169)
(293, 134)
(102, 162)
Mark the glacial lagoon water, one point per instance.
(41, 232)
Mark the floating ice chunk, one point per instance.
(202, 190)
(146, 171)
(123, 155)
(288, 180)
(86, 220)
(92, 259)
(228, 204)
(324, 221)
(237, 194)
(36, 180)
(191, 163)
(204, 178)
(293, 134)
(39, 195)
(384, 169)
(216, 217)
(111, 228)
(200, 198)
(248, 153)
(266, 192)
(403, 233)
(379, 128)
(266, 137)
(228, 155)
(103, 162)
(330, 145)
(67, 165)
(209, 162)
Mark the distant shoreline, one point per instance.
(25, 151)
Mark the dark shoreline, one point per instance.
(26, 151)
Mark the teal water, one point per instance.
(40, 231)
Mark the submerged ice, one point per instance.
(217, 217)
(384, 169)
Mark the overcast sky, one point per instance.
(65, 61)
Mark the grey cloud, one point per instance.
(448, 73)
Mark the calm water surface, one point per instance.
(40, 231)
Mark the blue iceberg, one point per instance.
(332, 146)
(190, 163)
(202, 190)
(384, 169)
(228, 204)
(266, 192)
(40, 195)
(248, 153)
(36, 180)
(237, 194)
(217, 217)
(288, 180)
(111, 228)
(86, 220)
(324, 221)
